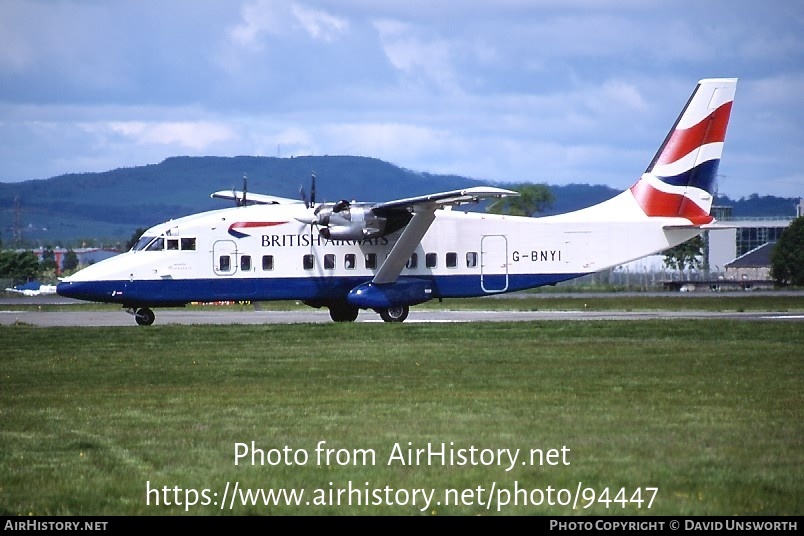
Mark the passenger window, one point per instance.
(173, 244)
(245, 263)
(471, 259)
(188, 244)
(371, 261)
(413, 261)
(329, 261)
(267, 262)
(349, 261)
(452, 260)
(431, 260)
(225, 263)
(309, 262)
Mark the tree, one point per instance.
(70, 261)
(48, 261)
(787, 258)
(134, 238)
(532, 199)
(19, 266)
(687, 255)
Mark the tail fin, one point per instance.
(680, 180)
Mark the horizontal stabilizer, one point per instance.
(705, 226)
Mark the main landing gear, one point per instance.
(348, 313)
(143, 315)
(397, 313)
(343, 312)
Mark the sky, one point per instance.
(547, 91)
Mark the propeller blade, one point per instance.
(309, 218)
(245, 189)
(312, 190)
(303, 195)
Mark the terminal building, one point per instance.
(735, 256)
(86, 256)
(743, 235)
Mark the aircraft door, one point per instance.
(494, 263)
(224, 257)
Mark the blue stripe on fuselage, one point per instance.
(173, 292)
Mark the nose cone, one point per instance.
(63, 289)
(69, 289)
(97, 291)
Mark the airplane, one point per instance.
(32, 289)
(387, 256)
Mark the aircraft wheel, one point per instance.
(343, 313)
(144, 316)
(397, 313)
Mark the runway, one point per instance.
(10, 316)
(19, 310)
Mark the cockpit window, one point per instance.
(156, 245)
(151, 243)
(141, 243)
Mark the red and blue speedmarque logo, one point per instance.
(249, 225)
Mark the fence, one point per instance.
(654, 280)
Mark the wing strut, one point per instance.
(404, 247)
(423, 209)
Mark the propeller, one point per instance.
(311, 216)
(241, 201)
(309, 203)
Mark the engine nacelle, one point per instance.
(404, 291)
(343, 221)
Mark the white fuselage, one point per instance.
(262, 252)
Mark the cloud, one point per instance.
(277, 18)
(320, 25)
(257, 18)
(420, 59)
(386, 140)
(16, 52)
(511, 89)
(196, 135)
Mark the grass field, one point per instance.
(680, 417)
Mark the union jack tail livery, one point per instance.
(680, 180)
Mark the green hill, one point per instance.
(111, 205)
(106, 208)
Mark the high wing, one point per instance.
(423, 209)
(254, 199)
(454, 197)
(356, 220)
